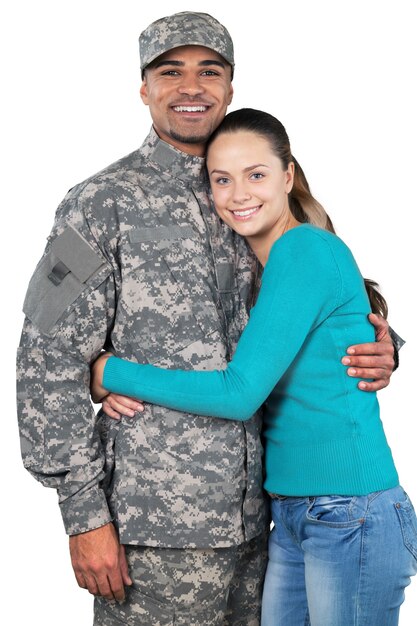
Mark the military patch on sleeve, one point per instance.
(64, 273)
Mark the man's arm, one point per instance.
(69, 310)
(373, 360)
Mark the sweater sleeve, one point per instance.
(300, 287)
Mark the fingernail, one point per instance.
(351, 350)
(363, 385)
(346, 360)
(351, 371)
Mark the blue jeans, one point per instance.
(339, 561)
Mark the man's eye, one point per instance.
(170, 73)
(210, 73)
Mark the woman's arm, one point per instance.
(300, 288)
(97, 391)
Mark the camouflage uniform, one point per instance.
(138, 263)
(206, 587)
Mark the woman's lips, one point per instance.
(244, 214)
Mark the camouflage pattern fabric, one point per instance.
(212, 587)
(184, 29)
(137, 262)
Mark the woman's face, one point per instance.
(249, 185)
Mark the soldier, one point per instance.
(169, 506)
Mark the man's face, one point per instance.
(187, 90)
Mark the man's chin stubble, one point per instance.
(193, 139)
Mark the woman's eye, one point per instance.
(257, 176)
(222, 181)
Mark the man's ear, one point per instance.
(231, 91)
(144, 91)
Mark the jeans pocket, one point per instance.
(336, 511)
(408, 523)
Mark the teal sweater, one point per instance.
(322, 434)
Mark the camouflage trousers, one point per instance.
(190, 587)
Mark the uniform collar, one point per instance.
(190, 169)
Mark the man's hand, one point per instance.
(99, 562)
(372, 360)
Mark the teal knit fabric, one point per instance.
(322, 434)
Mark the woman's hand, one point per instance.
(98, 393)
(113, 404)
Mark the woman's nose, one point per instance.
(241, 194)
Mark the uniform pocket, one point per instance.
(408, 522)
(137, 609)
(336, 511)
(167, 296)
(69, 268)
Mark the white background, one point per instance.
(341, 77)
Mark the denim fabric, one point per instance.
(340, 560)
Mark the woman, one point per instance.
(333, 559)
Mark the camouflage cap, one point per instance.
(184, 29)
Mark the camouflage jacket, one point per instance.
(138, 263)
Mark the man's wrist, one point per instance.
(85, 511)
(397, 342)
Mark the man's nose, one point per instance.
(191, 85)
